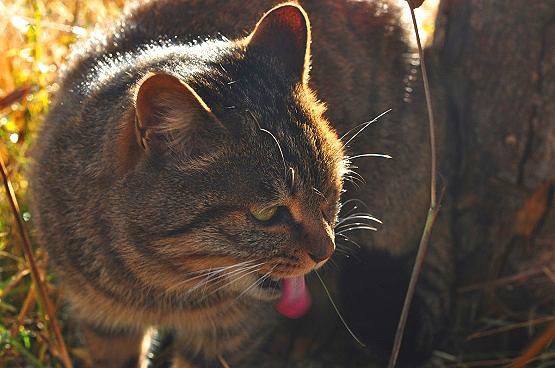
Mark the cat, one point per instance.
(188, 177)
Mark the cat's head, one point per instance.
(233, 172)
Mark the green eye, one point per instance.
(264, 214)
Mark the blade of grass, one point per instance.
(5, 337)
(432, 211)
(26, 245)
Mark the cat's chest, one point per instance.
(231, 329)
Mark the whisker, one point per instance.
(275, 139)
(221, 278)
(245, 272)
(207, 272)
(343, 252)
(359, 216)
(353, 174)
(382, 155)
(292, 184)
(257, 282)
(348, 213)
(365, 125)
(350, 225)
(351, 180)
(337, 311)
(318, 192)
(279, 148)
(356, 200)
(357, 228)
(218, 279)
(349, 240)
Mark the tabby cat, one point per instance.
(187, 178)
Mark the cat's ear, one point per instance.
(168, 114)
(284, 32)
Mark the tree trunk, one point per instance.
(499, 60)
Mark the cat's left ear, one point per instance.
(284, 32)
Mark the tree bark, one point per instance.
(499, 61)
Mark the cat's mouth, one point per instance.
(269, 284)
(294, 300)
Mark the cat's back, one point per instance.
(350, 41)
(343, 33)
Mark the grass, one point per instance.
(36, 37)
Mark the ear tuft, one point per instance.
(284, 32)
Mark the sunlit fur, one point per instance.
(142, 238)
(165, 237)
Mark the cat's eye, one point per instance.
(264, 214)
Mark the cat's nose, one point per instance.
(315, 235)
(323, 252)
(319, 244)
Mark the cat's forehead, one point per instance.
(284, 138)
(298, 163)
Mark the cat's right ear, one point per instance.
(168, 114)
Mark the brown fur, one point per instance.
(131, 201)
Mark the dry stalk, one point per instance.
(432, 211)
(15, 96)
(14, 282)
(223, 362)
(535, 348)
(28, 304)
(520, 277)
(41, 288)
(513, 326)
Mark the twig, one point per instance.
(432, 211)
(533, 350)
(223, 362)
(28, 304)
(513, 326)
(523, 276)
(495, 362)
(14, 96)
(42, 293)
(549, 274)
(14, 282)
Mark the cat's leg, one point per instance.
(183, 359)
(109, 348)
(186, 356)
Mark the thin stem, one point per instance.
(223, 362)
(41, 288)
(535, 349)
(432, 212)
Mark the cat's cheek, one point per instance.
(253, 286)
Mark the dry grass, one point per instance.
(36, 36)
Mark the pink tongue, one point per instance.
(295, 299)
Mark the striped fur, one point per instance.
(164, 238)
